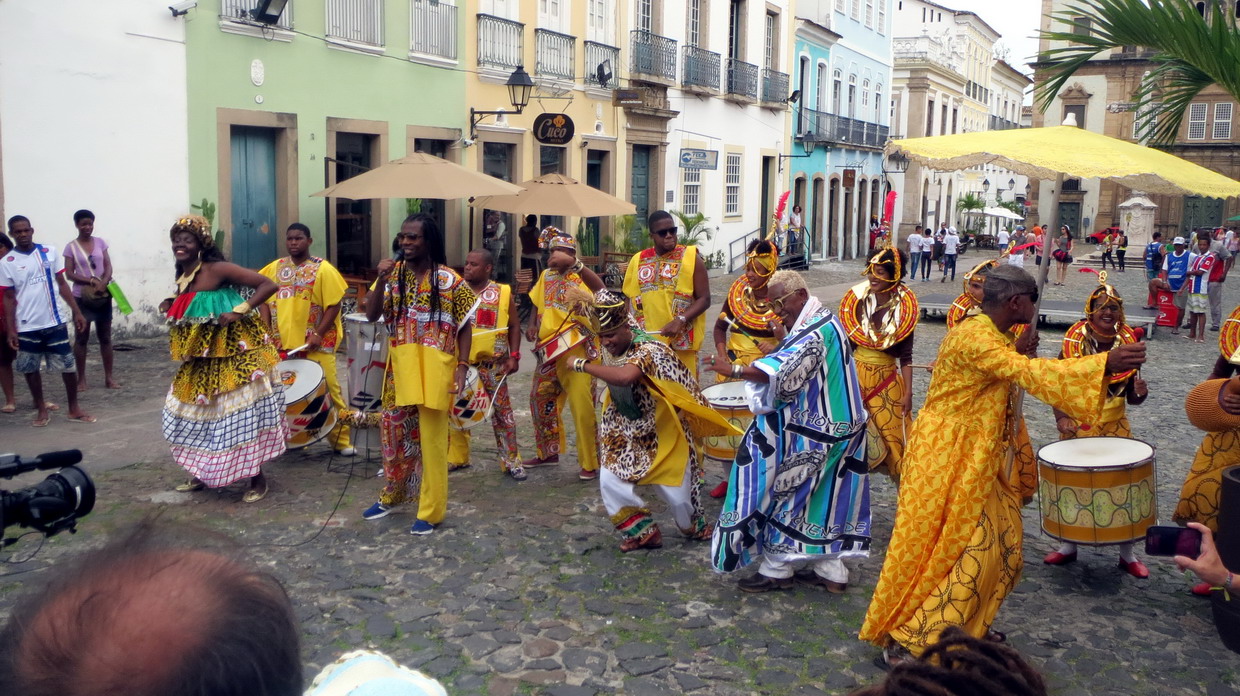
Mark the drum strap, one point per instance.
(891, 377)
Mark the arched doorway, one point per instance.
(833, 232)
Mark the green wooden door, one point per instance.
(255, 230)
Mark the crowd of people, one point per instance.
(829, 390)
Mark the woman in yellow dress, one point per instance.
(1102, 329)
(879, 315)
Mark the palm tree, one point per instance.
(693, 228)
(1191, 50)
(970, 203)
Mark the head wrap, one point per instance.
(764, 263)
(553, 237)
(888, 254)
(610, 311)
(979, 272)
(1102, 295)
(196, 225)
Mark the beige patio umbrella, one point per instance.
(419, 176)
(556, 194)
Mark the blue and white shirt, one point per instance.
(33, 276)
(1176, 266)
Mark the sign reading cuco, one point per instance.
(553, 129)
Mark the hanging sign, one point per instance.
(850, 178)
(553, 129)
(694, 158)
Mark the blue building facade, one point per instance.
(840, 125)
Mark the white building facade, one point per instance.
(92, 115)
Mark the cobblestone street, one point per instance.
(524, 590)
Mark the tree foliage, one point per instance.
(1190, 51)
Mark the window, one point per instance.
(869, 13)
(693, 30)
(732, 185)
(930, 118)
(355, 21)
(821, 102)
(882, 17)
(855, 11)
(1078, 110)
(1197, 120)
(1081, 26)
(841, 6)
(240, 10)
(645, 15)
(598, 22)
(692, 190)
(955, 120)
(837, 85)
(878, 104)
(771, 39)
(865, 94)
(1222, 121)
(852, 96)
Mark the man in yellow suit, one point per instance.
(669, 290)
(307, 312)
(955, 552)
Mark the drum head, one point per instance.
(358, 318)
(300, 377)
(726, 395)
(1096, 453)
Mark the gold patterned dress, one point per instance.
(955, 552)
(882, 339)
(748, 327)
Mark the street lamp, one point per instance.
(985, 186)
(519, 87)
(897, 163)
(1011, 184)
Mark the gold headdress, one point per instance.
(979, 272)
(196, 225)
(1102, 296)
(886, 255)
(603, 311)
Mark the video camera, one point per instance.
(52, 505)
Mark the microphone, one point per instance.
(58, 459)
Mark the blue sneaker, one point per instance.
(421, 528)
(376, 511)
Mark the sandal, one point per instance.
(893, 655)
(996, 636)
(652, 539)
(190, 486)
(8, 408)
(255, 494)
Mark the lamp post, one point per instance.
(808, 144)
(519, 86)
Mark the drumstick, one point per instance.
(299, 348)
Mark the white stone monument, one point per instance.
(1136, 218)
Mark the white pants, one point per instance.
(832, 569)
(618, 493)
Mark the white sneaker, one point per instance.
(347, 452)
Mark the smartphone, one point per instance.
(1172, 541)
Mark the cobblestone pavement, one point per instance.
(523, 590)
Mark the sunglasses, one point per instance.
(1033, 296)
(777, 304)
(671, 231)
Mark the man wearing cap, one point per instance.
(668, 289)
(1174, 274)
(561, 328)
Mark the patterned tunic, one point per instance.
(661, 288)
(303, 292)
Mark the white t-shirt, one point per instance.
(1003, 238)
(914, 243)
(950, 242)
(33, 276)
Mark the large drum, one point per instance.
(728, 398)
(366, 350)
(559, 343)
(473, 405)
(307, 403)
(1097, 490)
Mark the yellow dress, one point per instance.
(882, 385)
(748, 329)
(955, 552)
(1113, 422)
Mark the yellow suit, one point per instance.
(661, 288)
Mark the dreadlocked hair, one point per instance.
(961, 665)
(433, 243)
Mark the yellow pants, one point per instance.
(690, 359)
(339, 436)
(415, 453)
(554, 384)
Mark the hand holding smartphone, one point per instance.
(1173, 541)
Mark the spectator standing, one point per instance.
(1062, 254)
(1040, 239)
(1001, 240)
(950, 243)
(927, 253)
(37, 307)
(1218, 274)
(1199, 271)
(938, 244)
(7, 354)
(1108, 250)
(1232, 241)
(1153, 262)
(89, 270)
(914, 251)
(531, 255)
(1121, 248)
(1019, 239)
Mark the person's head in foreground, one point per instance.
(788, 295)
(1010, 294)
(148, 616)
(961, 665)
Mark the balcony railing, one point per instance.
(700, 68)
(999, 123)
(432, 28)
(355, 21)
(742, 78)
(501, 43)
(608, 57)
(556, 54)
(923, 49)
(774, 86)
(822, 127)
(654, 55)
(240, 9)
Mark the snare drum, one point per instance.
(307, 404)
(473, 405)
(366, 350)
(559, 343)
(728, 399)
(1097, 490)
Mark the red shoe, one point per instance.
(720, 490)
(1136, 569)
(1057, 559)
(586, 475)
(1201, 589)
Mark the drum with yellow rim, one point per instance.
(728, 399)
(473, 405)
(559, 343)
(1097, 490)
(307, 403)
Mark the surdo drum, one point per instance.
(728, 399)
(307, 404)
(366, 349)
(1097, 490)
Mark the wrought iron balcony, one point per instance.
(432, 28)
(774, 87)
(821, 127)
(501, 43)
(653, 55)
(556, 54)
(742, 78)
(999, 123)
(597, 54)
(700, 68)
(356, 22)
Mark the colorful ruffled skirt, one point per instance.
(224, 414)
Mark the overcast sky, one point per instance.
(1015, 20)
